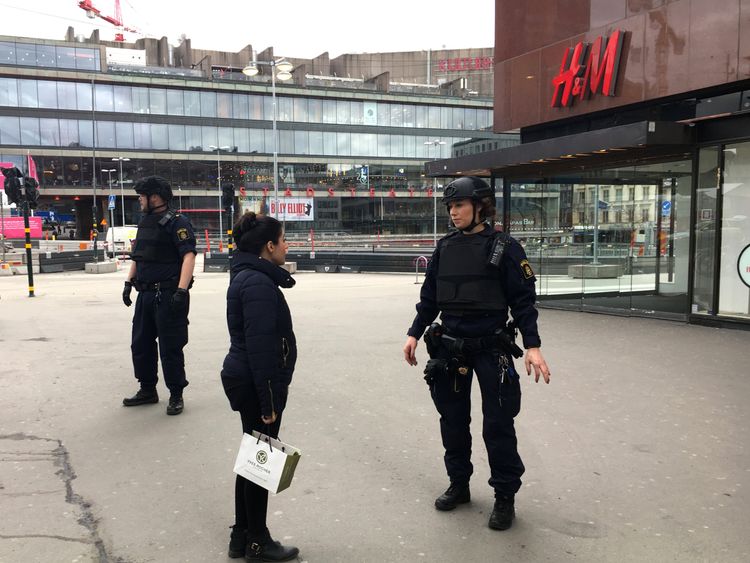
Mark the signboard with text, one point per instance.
(12, 227)
(293, 208)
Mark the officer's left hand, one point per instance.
(179, 300)
(534, 358)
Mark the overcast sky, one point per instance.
(295, 28)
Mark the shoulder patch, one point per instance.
(528, 273)
(182, 234)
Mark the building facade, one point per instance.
(631, 185)
(350, 145)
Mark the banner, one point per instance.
(293, 208)
(13, 227)
(32, 169)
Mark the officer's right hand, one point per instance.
(409, 349)
(126, 294)
(269, 419)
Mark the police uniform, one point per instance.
(161, 242)
(473, 298)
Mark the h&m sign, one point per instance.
(588, 69)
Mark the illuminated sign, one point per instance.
(588, 69)
(464, 63)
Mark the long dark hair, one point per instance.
(252, 232)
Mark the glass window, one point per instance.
(69, 133)
(329, 143)
(409, 115)
(209, 137)
(240, 106)
(27, 94)
(397, 145)
(142, 135)
(384, 115)
(105, 134)
(343, 144)
(158, 101)
(421, 117)
(226, 138)
(446, 118)
(384, 145)
(177, 138)
(329, 111)
(255, 104)
(30, 131)
(8, 92)
(286, 141)
(357, 147)
(470, 115)
(370, 144)
(224, 105)
(124, 135)
(315, 138)
(410, 146)
(7, 52)
(10, 132)
(193, 138)
(285, 109)
(66, 57)
(315, 111)
(87, 59)
(175, 104)
(241, 138)
(433, 115)
(104, 98)
(83, 96)
(49, 132)
(257, 142)
(358, 113)
(140, 99)
(300, 142)
(85, 133)
(208, 104)
(300, 112)
(343, 113)
(192, 103)
(268, 140)
(123, 99)
(159, 136)
(26, 54)
(45, 56)
(397, 115)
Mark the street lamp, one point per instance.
(111, 209)
(218, 174)
(281, 69)
(122, 192)
(436, 143)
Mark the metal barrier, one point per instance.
(416, 267)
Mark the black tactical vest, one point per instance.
(153, 243)
(466, 283)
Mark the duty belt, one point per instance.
(157, 286)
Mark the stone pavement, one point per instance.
(637, 450)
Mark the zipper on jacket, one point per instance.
(270, 392)
(284, 351)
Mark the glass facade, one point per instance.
(16, 53)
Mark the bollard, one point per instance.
(416, 269)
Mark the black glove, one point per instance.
(179, 300)
(126, 294)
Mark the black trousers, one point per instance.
(251, 500)
(501, 402)
(154, 319)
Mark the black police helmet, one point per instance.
(468, 187)
(154, 185)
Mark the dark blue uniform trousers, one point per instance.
(154, 319)
(501, 402)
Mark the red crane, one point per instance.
(116, 20)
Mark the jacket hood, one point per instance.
(247, 261)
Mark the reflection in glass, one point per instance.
(705, 230)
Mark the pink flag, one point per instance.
(32, 169)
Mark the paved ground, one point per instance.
(636, 452)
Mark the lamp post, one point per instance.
(122, 192)
(111, 209)
(436, 143)
(218, 175)
(281, 69)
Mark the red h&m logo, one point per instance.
(587, 68)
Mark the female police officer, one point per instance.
(474, 276)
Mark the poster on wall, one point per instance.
(293, 208)
(370, 116)
(743, 265)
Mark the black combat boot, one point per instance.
(176, 405)
(237, 542)
(263, 548)
(145, 396)
(457, 493)
(503, 513)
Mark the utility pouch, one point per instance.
(435, 369)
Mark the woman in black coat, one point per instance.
(259, 366)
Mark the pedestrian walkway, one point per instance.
(637, 450)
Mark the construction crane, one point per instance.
(116, 20)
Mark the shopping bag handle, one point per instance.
(267, 434)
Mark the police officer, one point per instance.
(162, 272)
(476, 274)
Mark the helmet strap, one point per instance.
(474, 222)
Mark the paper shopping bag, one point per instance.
(266, 462)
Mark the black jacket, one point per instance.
(263, 349)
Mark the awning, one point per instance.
(640, 141)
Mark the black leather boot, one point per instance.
(265, 549)
(457, 493)
(175, 406)
(142, 397)
(237, 542)
(503, 513)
